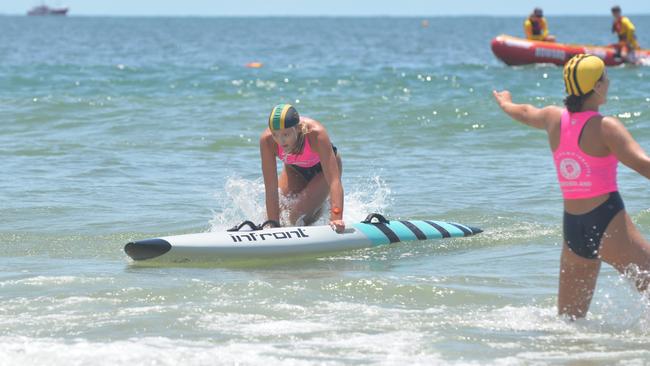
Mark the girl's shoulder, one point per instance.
(310, 122)
(266, 138)
(552, 116)
(314, 127)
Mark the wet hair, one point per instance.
(573, 103)
(301, 129)
(616, 9)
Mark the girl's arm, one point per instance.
(526, 113)
(270, 173)
(622, 144)
(332, 175)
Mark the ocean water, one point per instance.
(118, 129)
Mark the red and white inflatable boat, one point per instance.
(520, 51)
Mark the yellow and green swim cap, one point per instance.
(581, 73)
(283, 116)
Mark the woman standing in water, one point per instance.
(312, 169)
(586, 149)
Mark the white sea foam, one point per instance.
(243, 199)
(51, 281)
(396, 348)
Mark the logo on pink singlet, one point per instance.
(569, 168)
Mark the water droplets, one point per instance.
(628, 115)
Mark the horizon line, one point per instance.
(90, 15)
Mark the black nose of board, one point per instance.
(147, 249)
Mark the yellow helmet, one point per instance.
(581, 73)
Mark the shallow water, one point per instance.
(117, 129)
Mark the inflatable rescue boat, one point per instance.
(521, 51)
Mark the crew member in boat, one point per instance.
(626, 33)
(536, 27)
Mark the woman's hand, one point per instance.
(502, 97)
(337, 225)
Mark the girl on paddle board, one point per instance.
(312, 169)
(586, 149)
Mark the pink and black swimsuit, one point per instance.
(585, 176)
(307, 162)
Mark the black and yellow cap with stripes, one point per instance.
(283, 116)
(581, 73)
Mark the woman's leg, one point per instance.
(308, 203)
(577, 283)
(290, 181)
(625, 248)
(309, 196)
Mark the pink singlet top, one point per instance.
(306, 159)
(581, 175)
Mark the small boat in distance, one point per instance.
(520, 51)
(46, 10)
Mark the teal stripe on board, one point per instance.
(375, 235)
(454, 231)
(402, 232)
(427, 229)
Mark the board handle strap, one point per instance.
(247, 222)
(250, 224)
(380, 219)
(272, 223)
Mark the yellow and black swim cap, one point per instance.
(283, 116)
(581, 73)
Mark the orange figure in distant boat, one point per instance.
(536, 27)
(627, 44)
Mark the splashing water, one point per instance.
(367, 196)
(243, 199)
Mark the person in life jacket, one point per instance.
(626, 33)
(536, 28)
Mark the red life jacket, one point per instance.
(616, 28)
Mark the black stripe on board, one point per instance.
(388, 232)
(418, 233)
(463, 229)
(443, 231)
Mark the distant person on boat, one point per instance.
(626, 33)
(536, 28)
(312, 169)
(586, 149)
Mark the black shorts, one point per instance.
(310, 173)
(583, 233)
